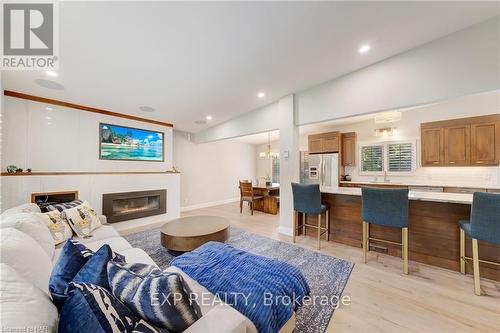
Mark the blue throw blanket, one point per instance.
(265, 290)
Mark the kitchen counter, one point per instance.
(426, 184)
(461, 198)
(434, 236)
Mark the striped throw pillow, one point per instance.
(64, 205)
(91, 308)
(162, 299)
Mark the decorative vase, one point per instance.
(11, 168)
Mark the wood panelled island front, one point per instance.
(433, 229)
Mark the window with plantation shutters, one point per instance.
(400, 157)
(372, 158)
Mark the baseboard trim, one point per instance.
(285, 230)
(208, 204)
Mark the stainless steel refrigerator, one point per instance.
(322, 169)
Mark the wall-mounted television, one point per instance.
(130, 144)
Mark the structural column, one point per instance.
(289, 161)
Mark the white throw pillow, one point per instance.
(24, 307)
(34, 226)
(23, 253)
(82, 219)
(25, 208)
(57, 225)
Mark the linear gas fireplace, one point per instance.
(133, 205)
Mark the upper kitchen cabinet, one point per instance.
(485, 143)
(432, 146)
(348, 149)
(457, 145)
(461, 142)
(323, 143)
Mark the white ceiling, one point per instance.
(188, 60)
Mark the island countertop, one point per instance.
(434, 237)
(461, 198)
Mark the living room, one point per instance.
(250, 167)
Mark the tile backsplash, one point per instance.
(458, 176)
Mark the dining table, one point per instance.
(270, 201)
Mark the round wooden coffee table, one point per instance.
(187, 233)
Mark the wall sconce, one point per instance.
(386, 132)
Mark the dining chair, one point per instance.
(247, 195)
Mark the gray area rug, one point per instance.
(326, 275)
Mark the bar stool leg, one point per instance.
(295, 217)
(475, 264)
(319, 231)
(365, 241)
(462, 251)
(327, 226)
(405, 250)
(303, 224)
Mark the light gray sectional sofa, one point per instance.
(27, 261)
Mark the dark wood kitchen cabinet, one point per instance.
(324, 143)
(473, 141)
(432, 146)
(348, 149)
(457, 145)
(485, 143)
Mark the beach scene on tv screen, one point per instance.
(126, 143)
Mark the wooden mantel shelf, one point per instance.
(78, 173)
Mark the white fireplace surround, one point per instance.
(17, 190)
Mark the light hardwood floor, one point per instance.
(430, 299)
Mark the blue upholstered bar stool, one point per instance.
(307, 200)
(387, 207)
(484, 225)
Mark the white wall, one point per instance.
(210, 171)
(65, 139)
(289, 161)
(409, 129)
(17, 190)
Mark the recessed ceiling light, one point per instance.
(146, 108)
(51, 73)
(200, 122)
(48, 108)
(49, 84)
(209, 118)
(365, 48)
(261, 94)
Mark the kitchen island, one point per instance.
(433, 228)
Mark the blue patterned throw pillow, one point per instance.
(91, 308)
(74, 255)
(72, 258)
(162, 299)
(95, 269)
